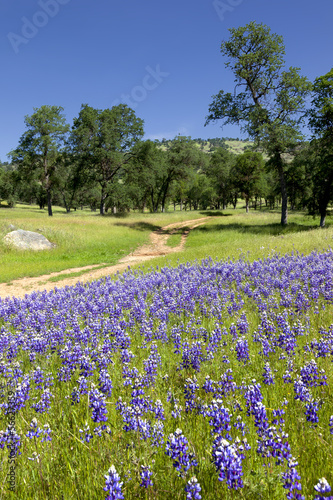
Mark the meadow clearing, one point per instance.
(213, 363)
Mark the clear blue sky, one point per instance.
(164, 55)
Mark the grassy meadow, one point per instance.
(103, 374)
(84, 238)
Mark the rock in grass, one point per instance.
(27, 240)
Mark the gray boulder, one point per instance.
(27, 240)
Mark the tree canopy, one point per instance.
(267, 101)
(40, 146)
(102, 141)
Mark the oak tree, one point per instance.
(267, 101)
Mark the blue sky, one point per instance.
(161, 58)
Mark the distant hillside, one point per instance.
(235, 146)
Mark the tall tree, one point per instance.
(267, 101)
(321, 124)
(102, 141)
(41, 145)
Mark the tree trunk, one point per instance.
(247, 205)
(49, 202)
(102, 207)
(322, 219)
(284, 196)
(102, 202)
(181, 205)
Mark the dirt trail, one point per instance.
(157, 247)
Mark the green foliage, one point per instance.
(321, 124)
(102, 141)
(247, 173)
(218, 170)
(38, 152)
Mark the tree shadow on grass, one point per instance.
(259, 229)
(139, 226)
(216, 213)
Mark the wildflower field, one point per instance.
(207, 380)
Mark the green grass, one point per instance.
(174, 240)
(255, 235)
(55, 279)
(82, 238)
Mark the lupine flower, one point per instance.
(252, 397)
(38, 378)
(239, 424)
(291, 481)
(44, 403)
(145, 475)
(177, 409)
(190, 389)
(157, 434)
(301, 391)
(176, 448)
(322, 487)
(86, 436)
(193, 489)
(113, 485)
(311, 377)
(242, 350)
(268, 375)
(105, 383)
(228, 462)
(97, 403)
(225, 385)
(219, 418)
(34, 457)
(311, 411)
(37, 432)
(12, 440)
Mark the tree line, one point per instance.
(102, 160)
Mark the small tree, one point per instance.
(40, 146)
(267, 102)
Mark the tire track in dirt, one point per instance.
(157, 247)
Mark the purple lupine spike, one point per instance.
(322, 487)
(145, 475)
(113, 485)
(193, 489)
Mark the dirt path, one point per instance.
(157, 247)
